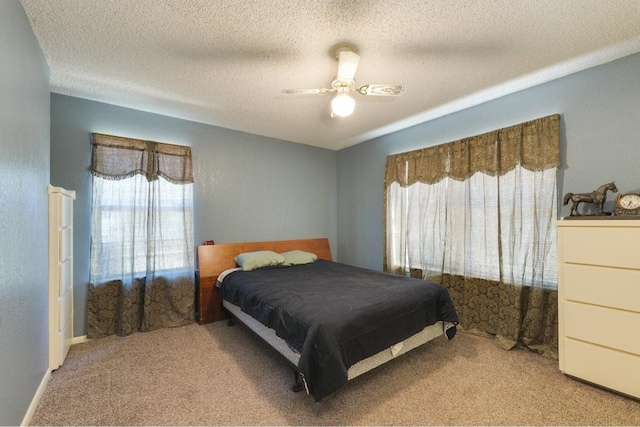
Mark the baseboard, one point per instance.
(43, 385)
(79, 340)
(36, 399)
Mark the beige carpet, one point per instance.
(215, 375)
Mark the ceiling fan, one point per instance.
(343, 104)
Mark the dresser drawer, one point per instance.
(607, 327)
(609, 287)
(607, 246)
(610, 368)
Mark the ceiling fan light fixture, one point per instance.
(343, 104)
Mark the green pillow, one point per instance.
(298, 257)
(252, 260)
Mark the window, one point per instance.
(481, 207)
(487, 227)
(142, 252)
(127, 241)
(478, 216)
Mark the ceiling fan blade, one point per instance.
(381, 89)
(347, 64)
(306, 91)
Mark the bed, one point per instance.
(331, 322)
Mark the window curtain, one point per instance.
(142, 254)
(477, 215)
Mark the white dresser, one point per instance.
(599, 302)
(60, 274)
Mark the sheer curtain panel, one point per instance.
(477, 215)
(142, 254)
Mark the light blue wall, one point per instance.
(600, 142)
(24, 175)
(247, 187)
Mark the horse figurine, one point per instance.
(597, 197)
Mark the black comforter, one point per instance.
(336, 315)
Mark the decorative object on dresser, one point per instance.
(627, 204)
(599, 302)
(597, 197)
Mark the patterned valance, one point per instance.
(534, 145)
(118, 158)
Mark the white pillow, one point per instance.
(297, 257)
(252, 260)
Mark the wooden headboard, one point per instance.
(214, 259)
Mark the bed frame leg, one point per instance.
(450, 330)
(297, 385)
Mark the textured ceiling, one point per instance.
(225, 62)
